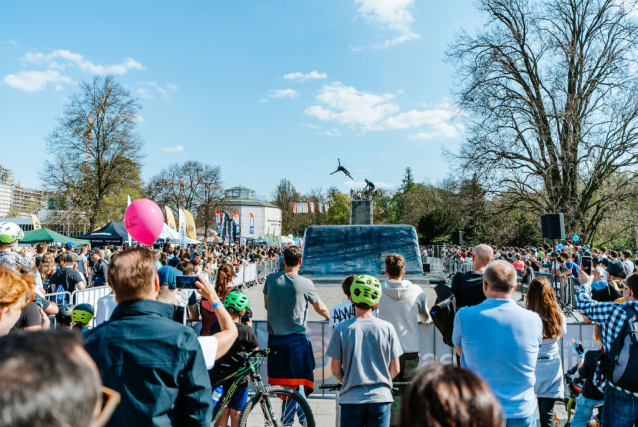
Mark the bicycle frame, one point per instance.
(260, 389)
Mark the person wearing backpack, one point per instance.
(619, 363)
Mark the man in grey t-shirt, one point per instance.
(287, 296)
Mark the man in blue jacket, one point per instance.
(153, 361)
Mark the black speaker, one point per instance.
(457, 237)
(553, 226)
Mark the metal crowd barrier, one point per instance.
(90, 296)
(60, 298)
(431, 343)
(251, 273)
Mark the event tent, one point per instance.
(114, 233)
(49, 236)
(174, 235)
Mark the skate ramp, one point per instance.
(342, 250)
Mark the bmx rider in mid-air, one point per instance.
(342, 169)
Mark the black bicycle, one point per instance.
(270, 406)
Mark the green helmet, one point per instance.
(10, 232)
(366, 289)
(237, 301)
(82, 313)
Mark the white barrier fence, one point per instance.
(431, 342)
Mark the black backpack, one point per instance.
(444, 310)
(620, 364)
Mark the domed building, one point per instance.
(266, 216)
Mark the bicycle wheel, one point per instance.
(295, 411)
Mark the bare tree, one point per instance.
(201, 193)
(551, 103)
(91, 172)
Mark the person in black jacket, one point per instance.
(591, 394)
(155, 362)
(468, 286)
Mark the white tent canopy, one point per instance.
(174, 235)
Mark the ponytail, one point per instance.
(225, 276)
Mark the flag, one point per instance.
(191, 230)
(170, 219)
(237, 222)
(312, 207)
(294, 207)
(252, 224)
(36, 222)
(182, 229)
(303, 207)
(218, 217)
(129, 234)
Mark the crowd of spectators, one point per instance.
(142, 364)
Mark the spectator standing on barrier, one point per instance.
(403, 305)
(100, 268)
(621, 404)
(500, 341)
(287, 296)
(468, 286)
(67, 278)
(365, 355)
(67, 393)
(549, 386)
(444, 395)
(164, 380)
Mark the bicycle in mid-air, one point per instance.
(260, 411)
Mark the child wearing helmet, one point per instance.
(360, 349)
(81, 316)
(64, 318)
(237, 304)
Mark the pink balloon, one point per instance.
(144, 221)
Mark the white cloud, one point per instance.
(33, 81)
(331, 132)
(390, 15)
(283, 93)
(372, 112)
(176, 149)
(362, 184)
(301, 77)
(9, 41)
(311, 126)
(357, 48)
(262, 101)
(164, 91)
(400, 91)
(347, 105)
(61, 58)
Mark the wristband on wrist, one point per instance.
(217, 304)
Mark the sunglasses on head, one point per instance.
(110, 400)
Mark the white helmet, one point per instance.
(10, 232)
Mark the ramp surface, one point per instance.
(342, 250)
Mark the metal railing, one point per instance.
(60, 298)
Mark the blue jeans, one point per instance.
(288, 410)
(584, 410)
(621, 409)
(366, 415)
(531, 421)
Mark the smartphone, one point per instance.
(186, 282)
(179, 315)
(585, 264)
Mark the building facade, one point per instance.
(266, 216)
(17, 198)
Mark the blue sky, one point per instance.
(265, 89)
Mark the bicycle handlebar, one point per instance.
(338, 386)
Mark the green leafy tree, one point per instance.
(438, 224)
(339, 211)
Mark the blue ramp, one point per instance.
(342, 250)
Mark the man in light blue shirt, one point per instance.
(499, 341)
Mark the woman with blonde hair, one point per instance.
(46, 269)
(16, 291)
(223, 285)
(549, 387)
